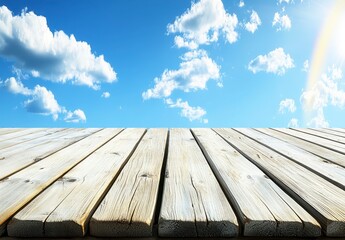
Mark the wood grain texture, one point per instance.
(15, 134)
(4, 131)
(263, 208)
(63, 209)
(331, 131)
(321, 134)
(29, 138)
(323, 200)
(193, 203)
(328, 170)
(20, 188)
(128, 208)
(336, 146)
(327, 154)
(16, 158)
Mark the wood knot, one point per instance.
(38, 159)
(69, 179)
(27, 180)
(115, 153)
(2, 158)
(146, 175)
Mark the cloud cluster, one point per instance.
(281, 22)
(192, 113)
(27, 41)
(42, 101)
(254, 22)
(287, 105)
(293, 123)
(276, 61)
(196, 69)
(325, 92)
(203, 23)
(105, 95)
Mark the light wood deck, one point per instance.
(172, 183)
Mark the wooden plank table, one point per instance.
(172, 183)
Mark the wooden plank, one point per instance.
(128, 208)
(263, 208)
(327, 154)
(15, 134)
(64, 209)
(20, 188)
(29, 138)
(4, 131)
(339, 147)
(13, 159)
(328, 170)
(322, 135)
(325, 201)
(331, 131)
(193, 204)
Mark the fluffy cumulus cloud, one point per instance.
(287, 105)
(281, 22)
(203, 23)
(241, 4)
(276, 61)
(325, 92)
(195, 71)
(40, 100)
(187, 111)
(27, 41)
(75, 117)
(105, 95)
(16, 87)
(254, 22)
(286, 1)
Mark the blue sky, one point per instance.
(172, 63)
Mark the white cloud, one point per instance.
(318, 121)
(287, 105)
(305, 66)
(324, 93)
(16, 87)
(105, 95)
(286, 1)
(27, 40)
(241, 4)
(276, 61)
(293, 123)
(192, 113)
(254, 22)
(194, 73)
(75, 116)
(41, 100)
(282, 22)
(202, 24)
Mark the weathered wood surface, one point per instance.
(64, 208)
(14, 134)
(29, 138)
(4, 131)
(128, 208)
(263, 208)
(14, 159)
(323, 142)
(332, 172)
(193, 203)
(20, 188)
(155, 182)
(323, 200)
(322, 134)
(325, 153)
